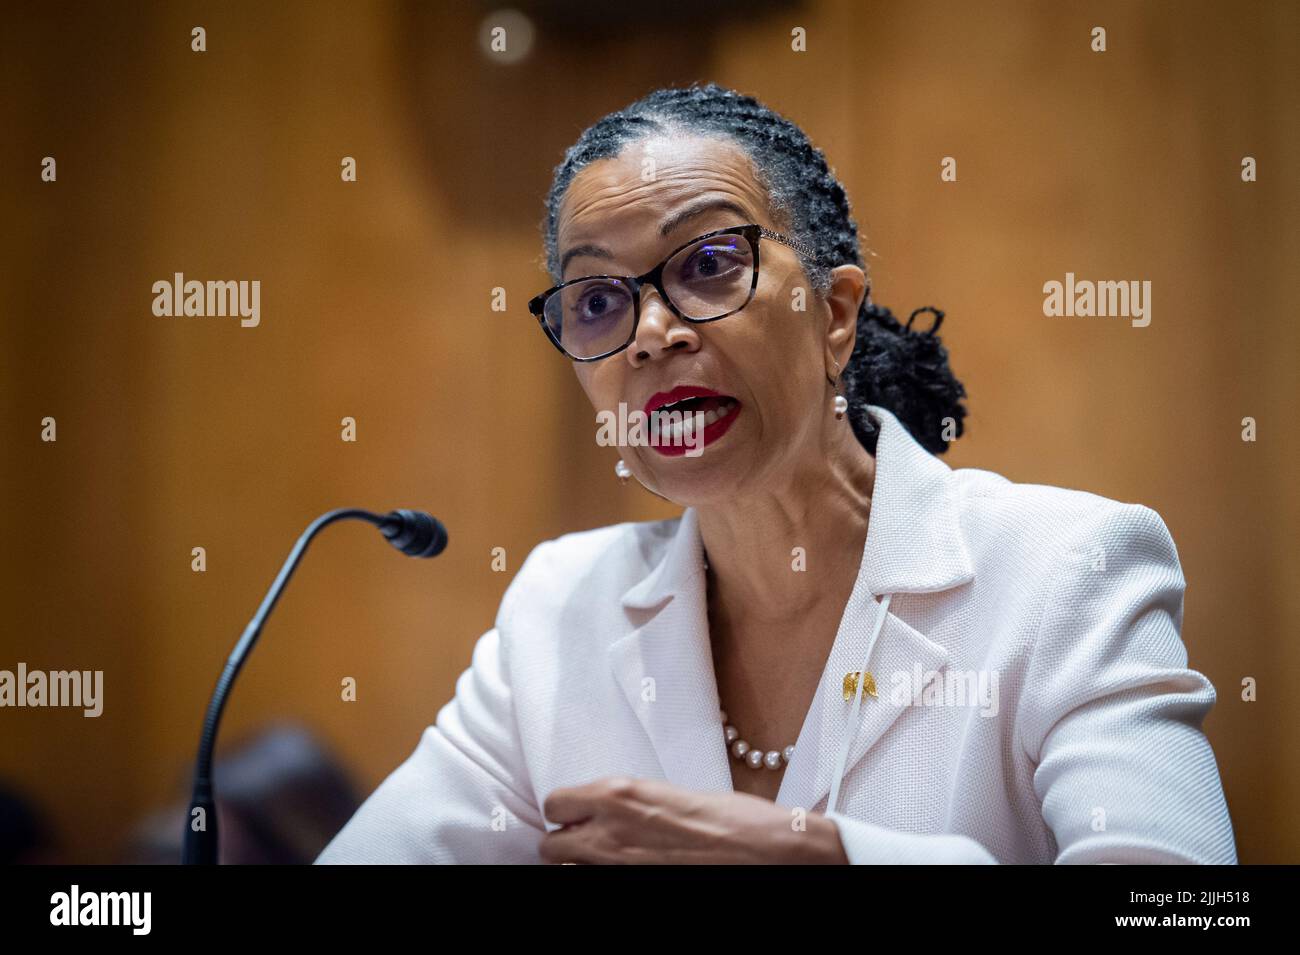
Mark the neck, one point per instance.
(755, 574)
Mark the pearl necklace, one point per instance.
(754, 758)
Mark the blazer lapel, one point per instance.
(665, 665)
(899, 650)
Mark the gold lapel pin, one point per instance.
(851, 684)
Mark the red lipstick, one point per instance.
(698, 400)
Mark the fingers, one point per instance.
(623, 819)
(599, 842)
(626, 820)
(589, 816)
(574, 804)
(569, 845)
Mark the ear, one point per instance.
(848, 289)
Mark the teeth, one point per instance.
(721, 411)
(674, 431)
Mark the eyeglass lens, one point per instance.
(707, 279)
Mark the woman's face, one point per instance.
(770, 360)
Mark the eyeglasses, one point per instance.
(710, 277)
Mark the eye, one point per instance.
(714, 262)
(599, 301)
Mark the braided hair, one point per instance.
(899, 368)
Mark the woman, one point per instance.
(843, 650)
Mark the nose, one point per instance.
(659, 331)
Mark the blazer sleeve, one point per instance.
(463, 795)
(1110, 716)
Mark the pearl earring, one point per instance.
(840, 404)
(623, 471)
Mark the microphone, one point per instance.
(414, 533)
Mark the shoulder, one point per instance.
(1048, 529)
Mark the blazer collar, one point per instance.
(665, 664)
(914, 538)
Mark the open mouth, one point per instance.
(674, 425)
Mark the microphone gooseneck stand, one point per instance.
(414, 533)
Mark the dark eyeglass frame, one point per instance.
(752, 232)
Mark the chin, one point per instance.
(693, 483)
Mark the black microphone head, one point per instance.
(415, 533)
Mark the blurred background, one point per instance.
(177, 433)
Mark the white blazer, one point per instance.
(1062, 607)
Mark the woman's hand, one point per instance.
(648, 821)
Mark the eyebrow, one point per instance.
(676, 220)
(698, 209)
